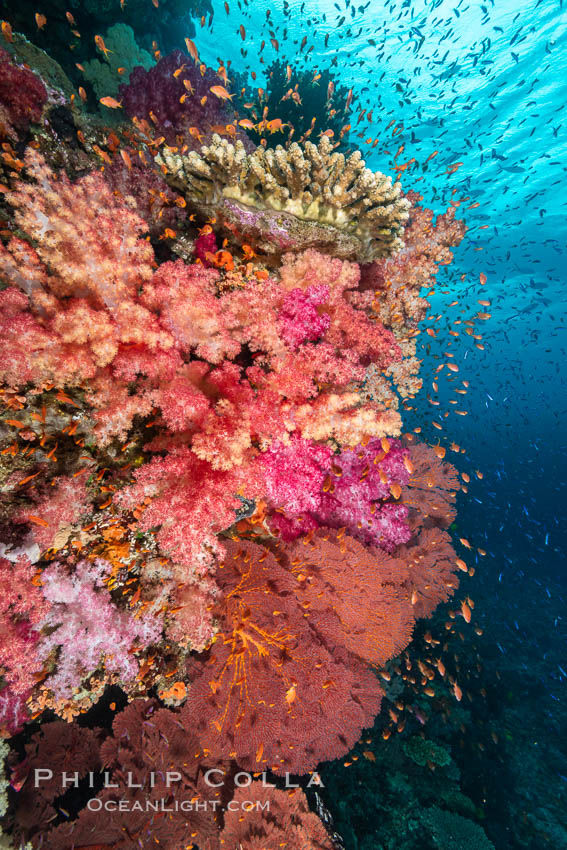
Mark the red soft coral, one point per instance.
(189, 502)
(22, 608)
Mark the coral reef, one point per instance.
(215, 537)
(302, 197)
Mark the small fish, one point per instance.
(7, 31)
(291, 695)
(221, 92)
(99, 41)
(242, 32)
(111, 102)
(40, 20)
(275, 126)
(38, 521)
(192, 50)
(71, 19)
(82, 94)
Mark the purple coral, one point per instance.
(176, 103)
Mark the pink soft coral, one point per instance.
(92, 630)
(299, 318)
(22, 608)
(185, 297)
(64, 504)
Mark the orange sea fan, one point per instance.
(430, 559)
(431, 491)
(354, 596)
(269, 693)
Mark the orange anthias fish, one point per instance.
(40, 20)
(111, 103)
(193, 52)
(99, 41)
(221, 92)
(7, 31)
(275, 126)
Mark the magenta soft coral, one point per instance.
(299, 319)
(294, 473)
(356, 494)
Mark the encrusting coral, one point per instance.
(302, 197)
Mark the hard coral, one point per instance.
(293, 199)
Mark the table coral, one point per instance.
(302, 197)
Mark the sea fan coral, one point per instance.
(430, 491)
(432, 565)
(356, 597)
(269, 693)
(251, 825)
